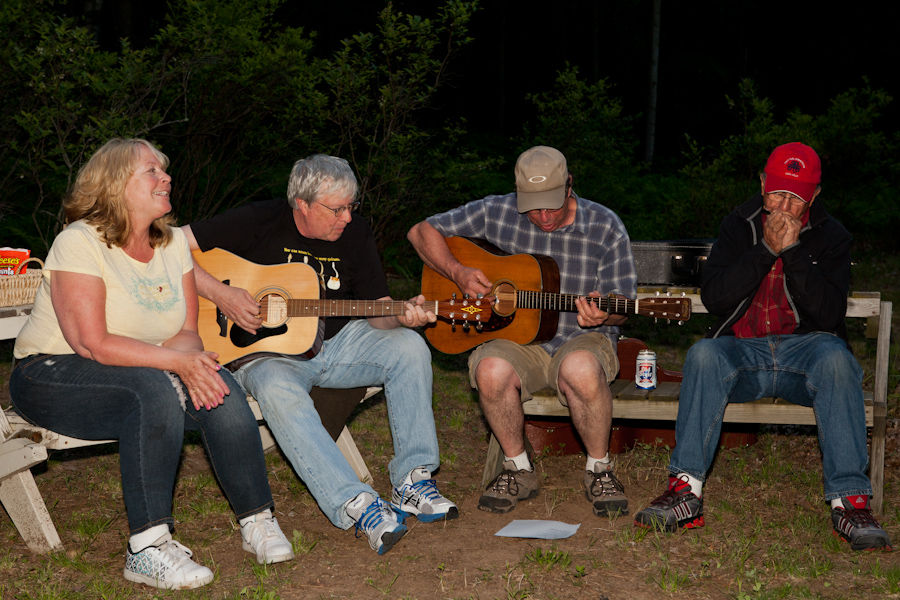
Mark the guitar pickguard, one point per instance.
(244, 339)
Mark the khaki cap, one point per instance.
(541, 176)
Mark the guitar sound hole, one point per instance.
(505, 292)
(273, 310)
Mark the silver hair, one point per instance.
(320, 175)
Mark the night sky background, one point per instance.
(801, 55)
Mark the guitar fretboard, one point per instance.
(341, 308)
(566, 302)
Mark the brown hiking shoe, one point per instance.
(508, 488)
(605, 491)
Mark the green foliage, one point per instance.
(248, 101)
(378, 83)
(859, 165)
(586, 124)
(233, 99)
(65, 97)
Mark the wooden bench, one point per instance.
(23, 445)
(661, 404)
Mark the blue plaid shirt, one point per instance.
(593, 253)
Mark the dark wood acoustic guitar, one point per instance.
(526, 300)
(291, 308)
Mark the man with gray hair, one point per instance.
(316, 226)
(592, 250)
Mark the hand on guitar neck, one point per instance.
(590, 315)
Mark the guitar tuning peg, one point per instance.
(479, 296)
(655, 320)
(453, 326)
(465, 296)
(681, 322)
(466, 327)
(479, 327)
(453, 296)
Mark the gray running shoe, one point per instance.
(604, 491)
(419, 496)
(678, 507)
(855, 523)
(380, 521)
(510, 486)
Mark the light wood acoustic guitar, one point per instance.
(526, 299)
(291, 308)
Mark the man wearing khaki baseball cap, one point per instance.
(591, 248)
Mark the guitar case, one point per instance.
(668, 263)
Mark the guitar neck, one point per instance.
(345, 308)
(566, 302)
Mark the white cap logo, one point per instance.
(537, 179)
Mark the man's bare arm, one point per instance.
(236, 303)
(433, 250)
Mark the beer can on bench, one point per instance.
(645, 370)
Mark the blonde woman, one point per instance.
(112, 351)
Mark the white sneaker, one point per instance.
(379, 520)
(263, 536)
(166, 565)
(419, 496)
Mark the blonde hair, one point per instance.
(98, 194)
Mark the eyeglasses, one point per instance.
(782, 196)
(340, 209)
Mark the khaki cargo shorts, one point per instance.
(537, 369)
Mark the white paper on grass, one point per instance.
(544, 530)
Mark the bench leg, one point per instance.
(348, 448)
(876, 464)
(493, 464)
(22, 500)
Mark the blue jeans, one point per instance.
(359, 355)
(139, 406)
(814, 369)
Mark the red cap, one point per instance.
(793, 168)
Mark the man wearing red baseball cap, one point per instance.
(778, 278)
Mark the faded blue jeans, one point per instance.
(139, 406)
(359, 355)
(814, 369)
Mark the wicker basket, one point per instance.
(16, 290)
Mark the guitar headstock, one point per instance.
(676, 309)
(477, 310)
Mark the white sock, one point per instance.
(260, 516)
(696, 484)
(521, 461)
(149, 537)
(591, 461)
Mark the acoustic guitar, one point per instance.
(526, 300)
(291, 308)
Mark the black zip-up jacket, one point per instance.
(816, 270)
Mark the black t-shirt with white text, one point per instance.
(265, 233)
